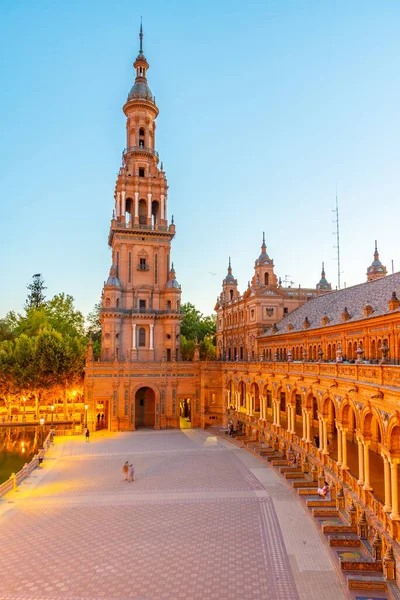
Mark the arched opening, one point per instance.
(231, 294)
(141, 137)
(329, 352)
(128, 211)
(108, 302)
(266, 278)
(155, 211)
(373, 350)
(329, 413)
(144, 407)
(231, 388)
(256, 397)
(117, 302)
(350, 351)
(169, 305)
(242, 394)
(142, 212)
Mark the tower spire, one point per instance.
(229, 267)
(141, 37)
(263, 247)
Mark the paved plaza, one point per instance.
(203, 519)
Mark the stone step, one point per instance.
(279, 462)
(290, 470)
(325, 512)
(308, 492)
(320, 503)
(359, 564)
(294, 475)
(266, 452)
(347, 541)
(307, 483)
(371, 584)
(339, 529)
(274, 456)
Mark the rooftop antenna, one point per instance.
(287, 280)
(336, 221)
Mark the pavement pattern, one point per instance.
(203, 519)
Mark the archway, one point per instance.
(185, 410)
(144, 407)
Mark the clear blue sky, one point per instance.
(264, 108)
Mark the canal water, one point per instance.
(18, 445)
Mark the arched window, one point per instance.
(142, 337)
(231, 294)
(142, 212)
(169, 305)
(266, 278)
(141, 137)
(117, 302)
(108, 302)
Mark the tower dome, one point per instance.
(376, 269)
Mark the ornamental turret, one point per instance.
(376, 269)
(264, 269)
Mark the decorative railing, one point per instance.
(139, 149)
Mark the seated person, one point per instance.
(324, 491)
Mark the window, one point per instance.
(168, 354)
(142, 264)
(283, 402)
(252, 313)
(129, 267)
(142, 305)
(285, 310)
(117, 303)
(231, 294)
(108, 302)
(156, 268)
(141, 171)
(142, 337)
(266, 278)
(141, 137)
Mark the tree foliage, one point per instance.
(36, 289)
(43, 350)
(196, 326)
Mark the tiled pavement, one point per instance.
(202, 520)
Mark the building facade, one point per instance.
(311, 369)
(242, 318)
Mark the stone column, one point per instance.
(133, 336)
(165, 207)
(123, 205)
(339, 445)
(289, 418)
(367, 484)
(278, 414)
(251, 404)
(344, 449)
(320, 433)
(325, 436)
(293, 417)
(118, 205)
(308, 417)
(149, 205)
(395, 495)
(386, 469)
(360, 462)
(304, 438)
(136, 216)
(162, 207)
(151, 336)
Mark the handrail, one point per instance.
(141, 149)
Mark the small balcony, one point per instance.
(140, 150)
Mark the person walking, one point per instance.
(125, 470)
(131, 473)
(87, 435)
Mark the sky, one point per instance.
(266, 109)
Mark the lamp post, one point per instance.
(24, 401)
(86, 409)
(52, 413)
(41, 421)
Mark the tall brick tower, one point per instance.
(141, 298)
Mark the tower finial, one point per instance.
(263, 238)
(141, 37)
(229, 264)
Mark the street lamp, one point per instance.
(52, 413)
(24, 401)
(41, 421)
(86, 409)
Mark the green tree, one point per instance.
(195, 324)
(94, 325)
(36, 289)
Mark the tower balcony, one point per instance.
(141, 150)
